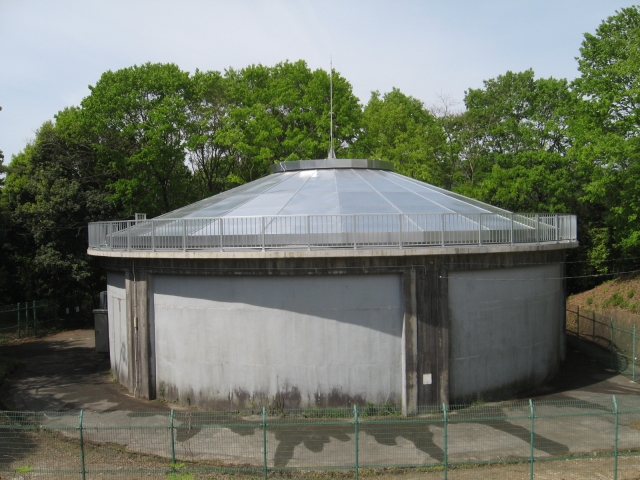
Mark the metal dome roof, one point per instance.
(331, 203)
(332, 187)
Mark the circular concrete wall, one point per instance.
(305, 329)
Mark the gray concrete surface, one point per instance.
(227, 342)
(506, 329)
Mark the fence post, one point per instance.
(401, 231)
(615, 443)
(265, 467)
(445, 440)
(153, 236)
(633, 358)
(480, 229)
(18, 319)
(80, 428)
(557, 236)
(531, 440)
(173, 442)
(308, 232)
(35, 321)
(355, 418)
(537, 228)
(263, 229)
(129, 225)
(611, 347)
(442, 227)
(26, 319)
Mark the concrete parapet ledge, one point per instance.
(338, 252)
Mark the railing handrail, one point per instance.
(330, 231)
(399, 214)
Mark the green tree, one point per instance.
(136, 118)
(283, 113)
(52, 191)
(515, 142)
(607, 128)
(398, 128)
(212, 162)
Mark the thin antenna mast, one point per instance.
(332, 153)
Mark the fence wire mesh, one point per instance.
(611, 342)
(571, 438)
(24, 319)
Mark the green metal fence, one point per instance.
(24, 319)
(604, 338)
(573, 438)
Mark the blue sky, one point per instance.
(50, 51)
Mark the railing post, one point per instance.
(480, 229)
(18, 319)
(172, 437)
(308, 232)
(221, 221)
(129, 225)
(615, 442)
(353, 228)
(153, 236)
(442, 228)
(537, 228)
(531, 440)
(557, 231)
(511, 234)
(445, 440)
(184, 234)
(263, 226)
(109, 235)
(355, 421)
(400, 231)
(80, 429)
(265, 467)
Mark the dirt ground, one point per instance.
(62, 372)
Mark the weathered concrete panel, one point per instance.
(118, 331)
(505, 329)
(296, 340)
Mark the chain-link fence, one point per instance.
(588, 438)
(610, 341)
(24, 319)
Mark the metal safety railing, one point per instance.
(592, 437)
(332, 231)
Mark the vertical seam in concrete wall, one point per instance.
(151, 313)
(445, 337)
(130, 332)
(409, 344)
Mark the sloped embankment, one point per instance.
(621, 295)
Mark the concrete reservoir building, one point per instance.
(333, 282)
